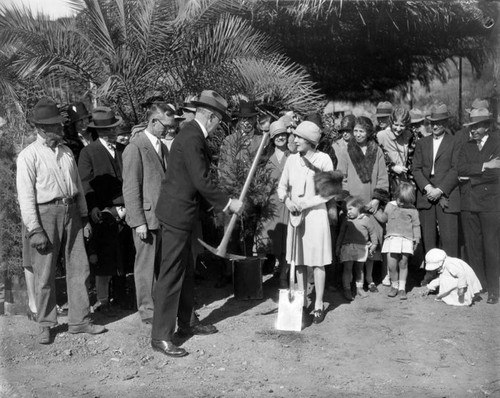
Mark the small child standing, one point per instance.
(401, 238)
(357, 240)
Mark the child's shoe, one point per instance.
(393, 292)
(386, 281)
(402, 295)
(348, 294)
(361, 293)
(373, 288)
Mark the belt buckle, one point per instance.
(67, 201)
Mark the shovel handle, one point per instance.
(292, 262)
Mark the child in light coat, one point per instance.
(457, 282)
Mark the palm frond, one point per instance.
(278, 81)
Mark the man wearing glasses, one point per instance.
(187, 178)
(55, 217)
(144, 165)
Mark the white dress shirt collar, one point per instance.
(154, 140)
(205, 132)
(109, 147)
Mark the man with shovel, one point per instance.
(187, 178)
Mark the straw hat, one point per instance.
(416, 116)
(479, 115)
(439, 112)
(384, 109)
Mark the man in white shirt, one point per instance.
(54, 214)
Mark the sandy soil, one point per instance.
(373, 347)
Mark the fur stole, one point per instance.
(361, 162)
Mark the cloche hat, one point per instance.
(309, 131)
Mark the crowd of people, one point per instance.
(362, 190)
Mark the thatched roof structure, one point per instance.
(360, 48)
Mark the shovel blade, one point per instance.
(290, 310)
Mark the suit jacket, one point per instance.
(187, 179)
(445, 171)
(481, 192)
(142, 176)
(101, 176)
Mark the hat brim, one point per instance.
(489, 119)
(276, 132)
(435, 119)
(247, 114)
(50, 120)
(225, 116)
(89, 116)
(117, 123)
(433, 266)
(379, 115)
(187, 108)
(415, 121)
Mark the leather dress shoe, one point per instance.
(168, 348)
(492, 299)
(44, 336)
(199, 329)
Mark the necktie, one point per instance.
(159, 152)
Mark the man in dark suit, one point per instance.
(100, 167)
(435, 173)
(186, 181)
(479, 173)
(144, 165)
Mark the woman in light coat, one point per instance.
(296, 189)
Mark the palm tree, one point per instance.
(126, 47)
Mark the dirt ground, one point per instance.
(372, 347)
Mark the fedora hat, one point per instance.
(384, 109)
(477, 104)
(479, 115)
(309, 131)
(104, 118)
(416, 116)
(277, 127)
(188, 105)
(439, 112)
(434, 259)
(46, 112)
(247, 109)
(77, 111)
(213, 101)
